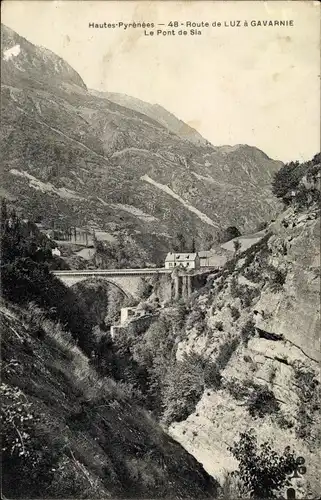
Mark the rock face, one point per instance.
(85, 161)
(295, 311)
(263, 322)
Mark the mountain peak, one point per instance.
(23, 61)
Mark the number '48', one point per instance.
(173, 24)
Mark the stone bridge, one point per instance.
(127, 280)
(167, 283)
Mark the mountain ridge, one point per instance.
(43, 60)
(87, 154)
(157, 112)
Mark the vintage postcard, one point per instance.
(160, 249)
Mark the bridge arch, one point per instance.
(85, 279)
(129, 281)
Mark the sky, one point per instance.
(236, 85)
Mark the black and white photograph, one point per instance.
(160, 250)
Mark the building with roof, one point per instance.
(185, 260)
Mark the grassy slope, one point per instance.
(84, 438)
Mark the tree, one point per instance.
(237, 245)
(229, 233)
(263, 471)
(287, 179)
(180, 243)
(26, 277)
(183, 244)
(20, 239)
(182, 389)
(208, 241)
(145, 289)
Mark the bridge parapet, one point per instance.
(110, 272)
(180, 283)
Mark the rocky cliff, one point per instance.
(261, 329)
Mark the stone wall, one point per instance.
(139, 325)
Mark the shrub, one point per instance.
(237, 246)
(27, 459)
(229, 266)
(177, 316)
(237, 390)
(219, 326)
(184, 384)
(283, 422)
(225, 352)
(262, 402)
(212, 376)
(131, 393)
(245, 293)
(235, 313)
(232, 488)
(247, 331)
(16, 420)
(253, 274)
(277, 278)
(309, 400)
(234, 288)
(272, 374)
(196, 319)
(262, 470)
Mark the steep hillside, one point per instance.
(29, 64)
(76, 159)
(68, 430)
(259, 327)
(69, 434)
(157, 113)
(240, 358)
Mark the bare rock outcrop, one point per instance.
(266, 305)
